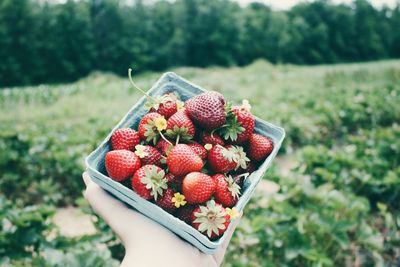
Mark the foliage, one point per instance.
(337, 207)
(29, 238)
(52, 41)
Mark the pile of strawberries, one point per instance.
(190, 158)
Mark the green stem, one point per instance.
(177, 139)
(166, 140)
(137, 87)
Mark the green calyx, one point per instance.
(155, 181)
(211, 218)
(151, 132)
(155, 102)
(232, 128)
(176, 131)
(236, 154)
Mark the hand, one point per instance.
(146, 242)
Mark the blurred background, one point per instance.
(326, 71)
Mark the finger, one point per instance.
(219, 255)
(126, 222)
(86, 178)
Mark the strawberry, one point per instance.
(198, 149)
(213, 139)
(259, 147)
(207, 110)
(165, 105)
(225, 159)
(165, 201)
(180, 126)
(210, 219)
(148, 155)
(164, 147)
(149, 127)
(197, 187)
(149, 182)
(240, 124)
(124, 138)
(185, 213)
(227, 191)
(121, 164)
(182, 160)
(217, 95)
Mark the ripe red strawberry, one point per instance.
(207, 110)
(180, 125)
(147, 127)
(225, 159)
(227, 191)
(185, 213)
(164, 147)
(246, 120)
(165, 201)
(149, 182)
(214, 139)
(198, 187)
(124, 138)
(210, 219)
(182, 160)
(198, 149)
(217, 95)
(148, 155)
(259, 147)
(121, 164)
(240, 124)
(164, 105)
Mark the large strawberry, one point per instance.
(124, 138)
(259, 147)
(198, 187)
(180, 126)
(207, 110)
(198, 149)
(121, 164)
(148, 155)
(150, 127)
(227, 191)
(149, 182)
(165, 201)
(182, 160)
(210, 219)
(239, 124)
(213, 139)
(225, 159)
(165, 105)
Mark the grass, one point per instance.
(342, 128)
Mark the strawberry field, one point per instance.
(331, 198)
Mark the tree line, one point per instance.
(42, 42)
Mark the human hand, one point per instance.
(146, 242)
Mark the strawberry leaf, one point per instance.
(232, 128)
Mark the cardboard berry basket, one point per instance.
(170, 82)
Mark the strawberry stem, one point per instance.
(177, 139)
(165, 139)
(137, 87)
